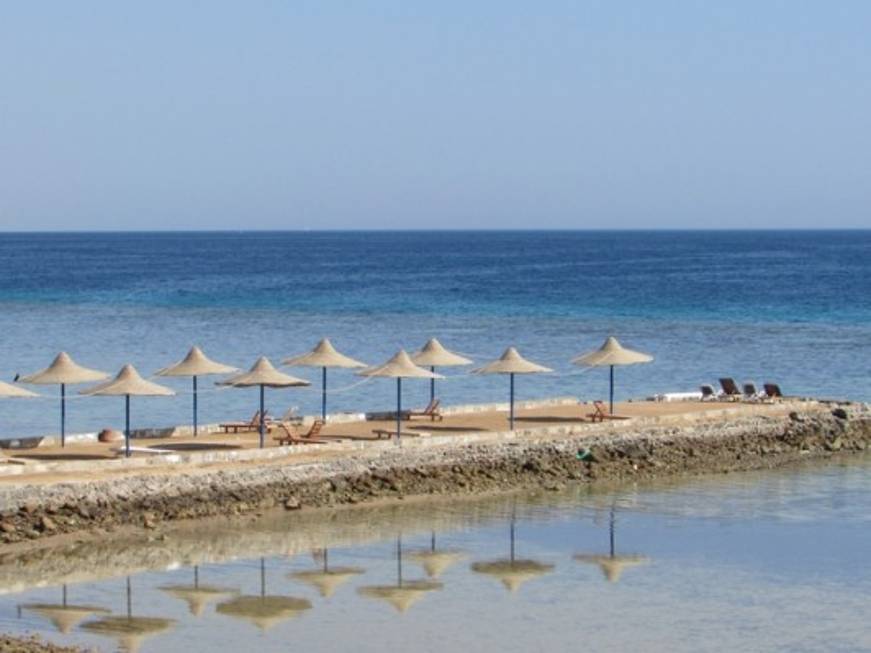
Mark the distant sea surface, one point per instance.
(790, 307)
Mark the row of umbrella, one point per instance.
(422, 365)
(264, 610)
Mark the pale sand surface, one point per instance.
(480, 422)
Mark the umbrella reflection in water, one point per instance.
(63, 615)
(264, 611)
(130, 631)
(435, 561)
(198, 596)
(404, 593)
(612, 565)
(511, 571)
(326, 579)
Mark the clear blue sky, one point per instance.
(454, 114)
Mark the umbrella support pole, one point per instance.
(127, 426)
(63, 415)
(432, 385)
(611, 394)
(324, 394)
(195, 406)
(511, 402)
(262, 416)
(398, 409)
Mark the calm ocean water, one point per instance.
(793, 307)
(775, 561)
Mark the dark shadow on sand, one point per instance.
(195, 446)
(62, 456)
(554, 420)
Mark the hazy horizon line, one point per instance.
(437, 230)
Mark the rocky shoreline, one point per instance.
(33, 644)
(33, 515)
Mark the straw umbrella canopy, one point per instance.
(128, 383)
(197, 596)
(511, 363)
(511, 571)
(433, 354)
(324, 355)
(435, 562)
(399, 367)
(195, 364)
(612, 564)
(611, 354)
(327, 579)
(404, 593)
(263, 375)
(9, 391)
(64, 371)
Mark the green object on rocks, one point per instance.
(583, 454)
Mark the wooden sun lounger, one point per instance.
(431, 411)
(731, 389)
(251, 425)
(292, 437)
(772, 391)
(390, 434)
(602, 413)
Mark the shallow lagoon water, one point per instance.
(753, 562)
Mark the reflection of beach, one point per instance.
(285, 533)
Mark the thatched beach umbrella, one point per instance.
(327, 579)
(63, 615)
(436, 561)
(130, 631)
(9, 391)
(64, 371)
(324, 355)
(128, 383)
(263, 375)
(432, 355)
(264, 611)
(611, 354)
(399, 367)
(512, 572)
(612, 565)
(404, 593)
(197, 596)
(195, 364)
(511, 363)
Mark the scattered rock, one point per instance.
(840, 413)
(292, 504)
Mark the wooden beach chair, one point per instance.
(431, 412)
(708, 392)
(390, 434)
(251, 425)
(602, 413)
(292, 436)
(730, 389)
(772, 391)
(751, 393)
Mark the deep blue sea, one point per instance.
(791, 307)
